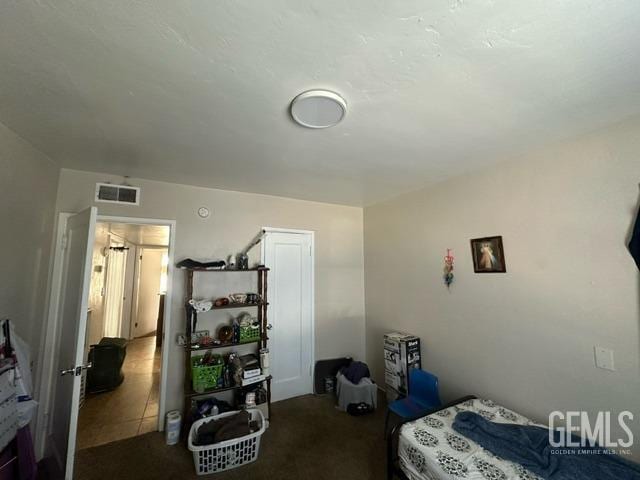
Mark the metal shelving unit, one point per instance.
(190, 348)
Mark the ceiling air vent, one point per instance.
(109, 193)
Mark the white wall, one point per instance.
(28, 181)
(524, 338)
(236, 218)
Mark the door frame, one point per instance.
(135, 303)
(166, 329)
(312, 287)
(129, 279)
(46, 359)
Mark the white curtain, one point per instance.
(114, 293)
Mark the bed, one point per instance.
(429, 449)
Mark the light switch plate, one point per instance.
(604, 358)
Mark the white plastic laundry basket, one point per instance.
(229, 454)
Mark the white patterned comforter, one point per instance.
(429, 448)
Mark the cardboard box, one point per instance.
(401, 353)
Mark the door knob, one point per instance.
(69, 371)
(269, 326)
(77, 371)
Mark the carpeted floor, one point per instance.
(307, 439)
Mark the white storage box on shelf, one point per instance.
(229, 454)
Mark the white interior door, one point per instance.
(290, 258)
(114, 293)
(129, 278)
(72, 322)
(150, 269)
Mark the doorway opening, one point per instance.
(120, 394)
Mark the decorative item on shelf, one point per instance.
(192, 317)
(231, 263)
(225, 334)
(236, 331)
(195, 338)
(197, 335)
(488, 255)
(206, 341)
(226, 376)
(201, 305)
(238, 297)
(221, 302)
(253, 297)
(448, 268)
(235, 368)
(242, 260)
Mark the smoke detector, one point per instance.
(318, 109)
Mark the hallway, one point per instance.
(132, 408)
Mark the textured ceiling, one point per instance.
(197, 92)
(147, 235)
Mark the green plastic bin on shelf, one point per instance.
(205, 377)
(250, 333)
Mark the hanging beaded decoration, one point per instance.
(448, 268)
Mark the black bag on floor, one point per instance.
(359, 409)
(106, 360)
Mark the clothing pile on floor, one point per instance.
(355, 372)
(357, 393)
(226, 428)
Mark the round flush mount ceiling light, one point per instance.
(318, 109)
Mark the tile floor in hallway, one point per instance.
(132, 408)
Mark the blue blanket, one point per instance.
(529, 446)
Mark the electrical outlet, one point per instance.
(604, 358)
